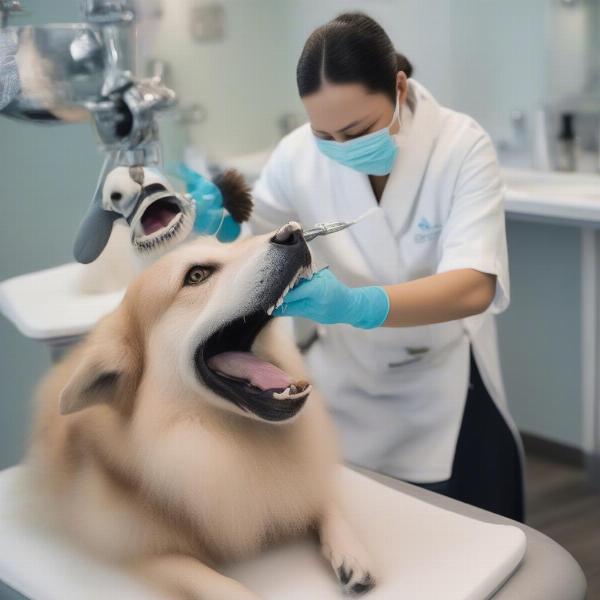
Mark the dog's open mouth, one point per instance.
(161, 218)
(231, 367)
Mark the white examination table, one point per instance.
(424, 547)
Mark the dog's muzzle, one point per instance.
(225, 361)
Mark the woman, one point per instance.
(413, 286)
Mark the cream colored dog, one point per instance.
(185, 436)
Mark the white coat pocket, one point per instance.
(387, 350)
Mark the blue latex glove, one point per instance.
(325, 299)
(230, 229)
(211, 217)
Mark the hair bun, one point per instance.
(352, 48)
(404, 64)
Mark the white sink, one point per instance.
(249, 165)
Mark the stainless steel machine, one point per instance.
(70, 73)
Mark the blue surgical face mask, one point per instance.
(373, 154)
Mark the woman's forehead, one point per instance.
(335, 106)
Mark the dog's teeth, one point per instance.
(294, 391)
(279, 303)
(306, 273)
(270, 310)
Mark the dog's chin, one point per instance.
(256, 387)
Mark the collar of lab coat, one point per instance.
(377, 235)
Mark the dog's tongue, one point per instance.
(245, 365)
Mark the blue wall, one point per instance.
(47, 176)
(540, 334)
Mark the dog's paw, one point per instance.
(353, 577)
(346, 555)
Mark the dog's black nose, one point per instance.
(288, 235)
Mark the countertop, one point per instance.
(567, 198)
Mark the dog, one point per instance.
(183, 433)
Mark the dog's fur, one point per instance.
(150, 468)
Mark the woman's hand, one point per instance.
(434, 299)
(325, 299)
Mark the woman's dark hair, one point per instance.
(352, 48)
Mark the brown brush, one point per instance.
(237, 198)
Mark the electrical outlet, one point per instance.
(208, 22)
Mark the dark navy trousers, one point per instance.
(487, 469)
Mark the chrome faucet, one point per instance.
(69, 73)
(82, 71)
(108, 11)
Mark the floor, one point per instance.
(561, 505)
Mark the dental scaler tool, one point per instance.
(334, 226)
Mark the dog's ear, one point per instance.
(237, 196)
(108, 371)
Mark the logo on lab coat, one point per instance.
(427, 232)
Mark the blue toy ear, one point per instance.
(183, 172)
(230, 229)
(93, 234)
(208, 219)
(221, 205)
(207, 192)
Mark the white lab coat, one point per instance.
(398, 394)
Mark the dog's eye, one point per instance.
(116, 196)
(198, 274)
